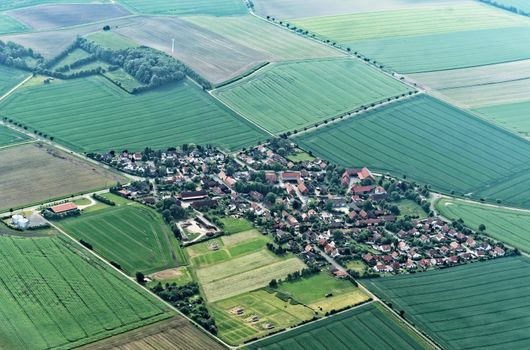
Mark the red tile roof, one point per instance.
(61, 208)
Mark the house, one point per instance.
(347, 175)
(270, 176)
(204, 203)
(63, 208)
(498, 251)
(291, 176)
(258, 197)
(361, 190)
(302, 188)
(340, 274)
(366, 174)
(193, 195)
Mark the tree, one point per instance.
(482, 227)
(270, 197)
(140, 278)
(273, 283)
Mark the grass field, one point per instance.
(59, 175)
(447, 50)
(409, 22)
(175, 333)
(187, 7)
(111, 40)
(236, 329)
(131, 235)
(56, 295)
(9, 78)
(178, 113)
(512, 116)
(411, 208)
(10, 137)
(293, 95)
(72, 57)
(367, 327)
(235, 225)
(433, 143)
(483, 305)
(11, 25)
(66, 15)
(123, 79)
(510, 226)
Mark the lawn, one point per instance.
(95, 115)
(187, 7)
(10, 137)
(512, 116)
(10, 77)
(11, 25)
(299, 157)
(58, 175)
(132, 235)
(367, 327)
(484, 305)
(510, 226)
(236, 329)
(111, 40)
(411, 208)
(447, 50)
(433, 143)
(235, 225)
(292, 95)
(409, 22)
(56, 295)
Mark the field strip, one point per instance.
(16, 87)
(18, 144)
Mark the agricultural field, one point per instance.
(431, 142)
(72, 57)
(13, 4)
(512, 116)
(132, 235)
(483, 305)
(111, 40)
(293, 95)
(447, 50)
(59, 175)
(122, 79)
(66, 15)
(9, 78)
(409, 22)
(11, 25)
(506, 225)
(367, 327)
(56, 295)
(175, 333)
(179, 113)
(241, 264)
(521, 5)
(187, 7)
(10, 137)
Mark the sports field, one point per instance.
(366, 327)
(484, 305)
(9, 78)
(433, 143)
(292, 95)
(66, 15)
(447, 50)
(56, 295)
(510, 226)
(131, 235)
(59, 175)
(95, 115)
(409, 22)
(187, 7)
(512, 116)
(10, 137)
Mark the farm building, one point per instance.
(19, 222)
(193, 195)
(63, 208)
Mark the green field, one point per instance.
(286, 96)
(187, 7)
(411, 208)
(92, 114)
(10, 137)
(12, 4)
(409, 22)
(510, 226)
(235, 225)
(131, 235)
(111, 40)
(512, 116)
(56, 295)
(9, 78)
(433, 143)
(367, 327)
(485, 305)
(447, 50)
(11, 25)
(521, 5)
(122, 79)
(72, 57)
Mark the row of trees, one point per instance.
(15, 55)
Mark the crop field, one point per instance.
(430, 142)
(111, 40)
(12, 4)
(483, 305)
(292, 95)
(367, 327)
(285, 9)
(122, 79)
(56, 295)
(59, 175)
(521, 5)
(187, 7)
(131, 235)
(236, 329)
(512, 116)
(409, 22)
(9, 78)
(178, 113)
(510, 226)
(512, 190)
(11, 25)
(175, 333)
(11, 137)
(66, 15)
(447, 50)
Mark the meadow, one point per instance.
(512, 116)
(409, 22)
(187, 7)
(446, 50)
(56, 295)
(9, 25)
(65, 15)
(9, 78)
(59, 175)
(286, 96)
(10, 137)
(367, 327)
(431, 142)
(484, 305)
(509, 226)
(131, 235)
(178, 113)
